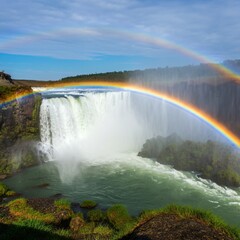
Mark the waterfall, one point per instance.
(92, 127)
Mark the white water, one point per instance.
(88, 128)
(92, 127)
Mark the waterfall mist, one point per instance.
(90, 128)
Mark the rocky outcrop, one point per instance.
(5, 79)
(19, 133)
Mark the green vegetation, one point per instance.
(104, 232)
(7, 92)
(20, 209)
(108, 76)
(88, 204)
(19, 131)
(3, 189)
(10, 193)
(187, 212)
(33, 223)
(118, 216)
(96, 215)
(212, 160)
(189, 72)
(63, 204)
(76, 223)
(112, 224)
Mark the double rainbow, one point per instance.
(118, 35)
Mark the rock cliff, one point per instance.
(19, 133)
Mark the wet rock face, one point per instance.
(19, 133)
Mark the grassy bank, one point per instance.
(50, 218)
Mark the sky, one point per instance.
(52, 39)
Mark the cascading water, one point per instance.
(90, 128)
(94, 124)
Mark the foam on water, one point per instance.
(107, 129)
(186, 182)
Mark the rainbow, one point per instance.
(159, 42)
(142, 38)
(223, 130)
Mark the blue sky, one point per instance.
(44, 39)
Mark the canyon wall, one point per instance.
(19, 134)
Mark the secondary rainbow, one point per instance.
(119, 34)
(221, 128)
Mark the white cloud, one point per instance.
(79, 29)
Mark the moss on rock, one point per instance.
(19, 133)
(88, 204)
(3, 189)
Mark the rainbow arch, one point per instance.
(120, 34)
(221, 128)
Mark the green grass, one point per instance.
(128, 228)
(96, 215)
(33, 223)
(189, 212)
(20, 209)
(103, 231)
(87, 229)
(88, 204)
(118, 216)
(3, 189)
(63, 232)
(112, 224)
(63, 211)
(10, 193)
(63, 204)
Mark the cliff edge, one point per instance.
(19, 129)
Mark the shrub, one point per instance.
(3, 189)
(96, 215)
(103, 231)
(128, 228)
(63, 204)
(88, 204)
(87, 229)
(118, 216)
(10, 193)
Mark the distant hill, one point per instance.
(191, 73)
